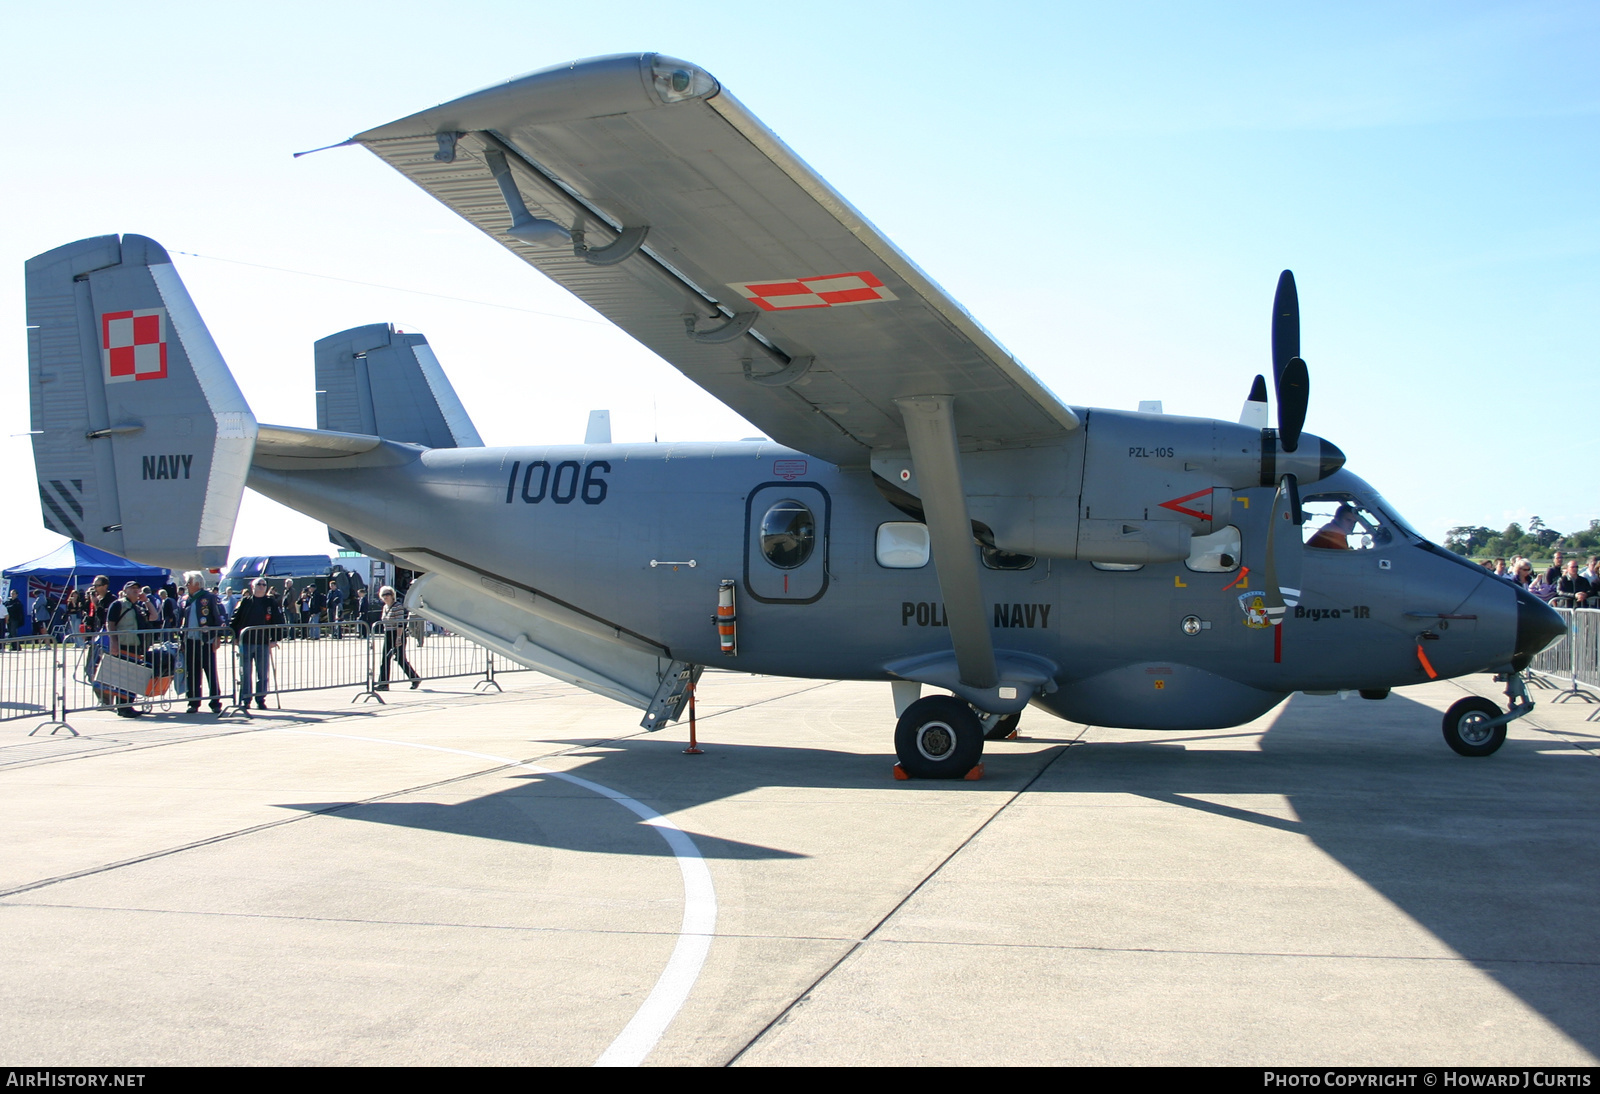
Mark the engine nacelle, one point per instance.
(1125, 488)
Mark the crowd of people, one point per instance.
(151, 625)
(1566, 583)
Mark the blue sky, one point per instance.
(1111, 189)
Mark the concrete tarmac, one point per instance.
(1327, 885)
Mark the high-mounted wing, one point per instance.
(641, 186)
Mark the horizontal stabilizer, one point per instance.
(375, 380)
(142, 440)
(292, 441)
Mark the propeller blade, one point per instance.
(1294, 393)
(1297, 515)
(1285, 325)
(1254, 412)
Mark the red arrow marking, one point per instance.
(1177, 506)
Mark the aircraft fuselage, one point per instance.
(613, 529)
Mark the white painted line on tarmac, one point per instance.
(645, 1029)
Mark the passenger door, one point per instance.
(786, 542)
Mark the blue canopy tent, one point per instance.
(75, 565)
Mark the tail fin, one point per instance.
(377, 381)
(142, 440)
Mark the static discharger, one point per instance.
(727, 621)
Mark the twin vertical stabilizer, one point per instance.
(379, 381)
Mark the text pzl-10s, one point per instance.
(926, 512)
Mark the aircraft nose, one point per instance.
(1538, 625)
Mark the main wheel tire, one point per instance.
(1466, 729)
(1004, 728)
(938, 737)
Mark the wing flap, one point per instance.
(737, 225)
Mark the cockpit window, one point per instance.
(1387, 513)
(1343, 522)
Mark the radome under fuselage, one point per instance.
(583, 524)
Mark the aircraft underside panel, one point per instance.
(1160, 695)
(603, 666)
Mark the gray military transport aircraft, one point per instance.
(927, 513)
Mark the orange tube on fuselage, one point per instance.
(727, 621)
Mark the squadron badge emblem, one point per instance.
(1254, 606)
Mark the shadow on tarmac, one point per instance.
(1498, 857)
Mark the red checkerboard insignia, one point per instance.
(822, 291)
(133, 345)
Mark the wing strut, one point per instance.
(931, 429)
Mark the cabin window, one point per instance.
(903, 545)
(1217, 553)
(788, 534)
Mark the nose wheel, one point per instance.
(938, 737)
(1473, 727)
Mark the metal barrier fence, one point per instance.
(306, 657)
(51, 677)
(1573, 658)
(29, 667)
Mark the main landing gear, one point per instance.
(938, 737)
(1475, 726)
(941, 737)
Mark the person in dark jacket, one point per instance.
(13, 614)
(315, 602)
(1572, 588)
(202, 619)
(258, 621)
(335, 605)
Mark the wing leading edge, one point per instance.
(640, 186)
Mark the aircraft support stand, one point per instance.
(694, 748)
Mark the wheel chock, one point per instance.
(972, 776)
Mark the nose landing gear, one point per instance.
(1474, 726)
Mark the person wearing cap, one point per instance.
(395, 620)
(126, 621)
